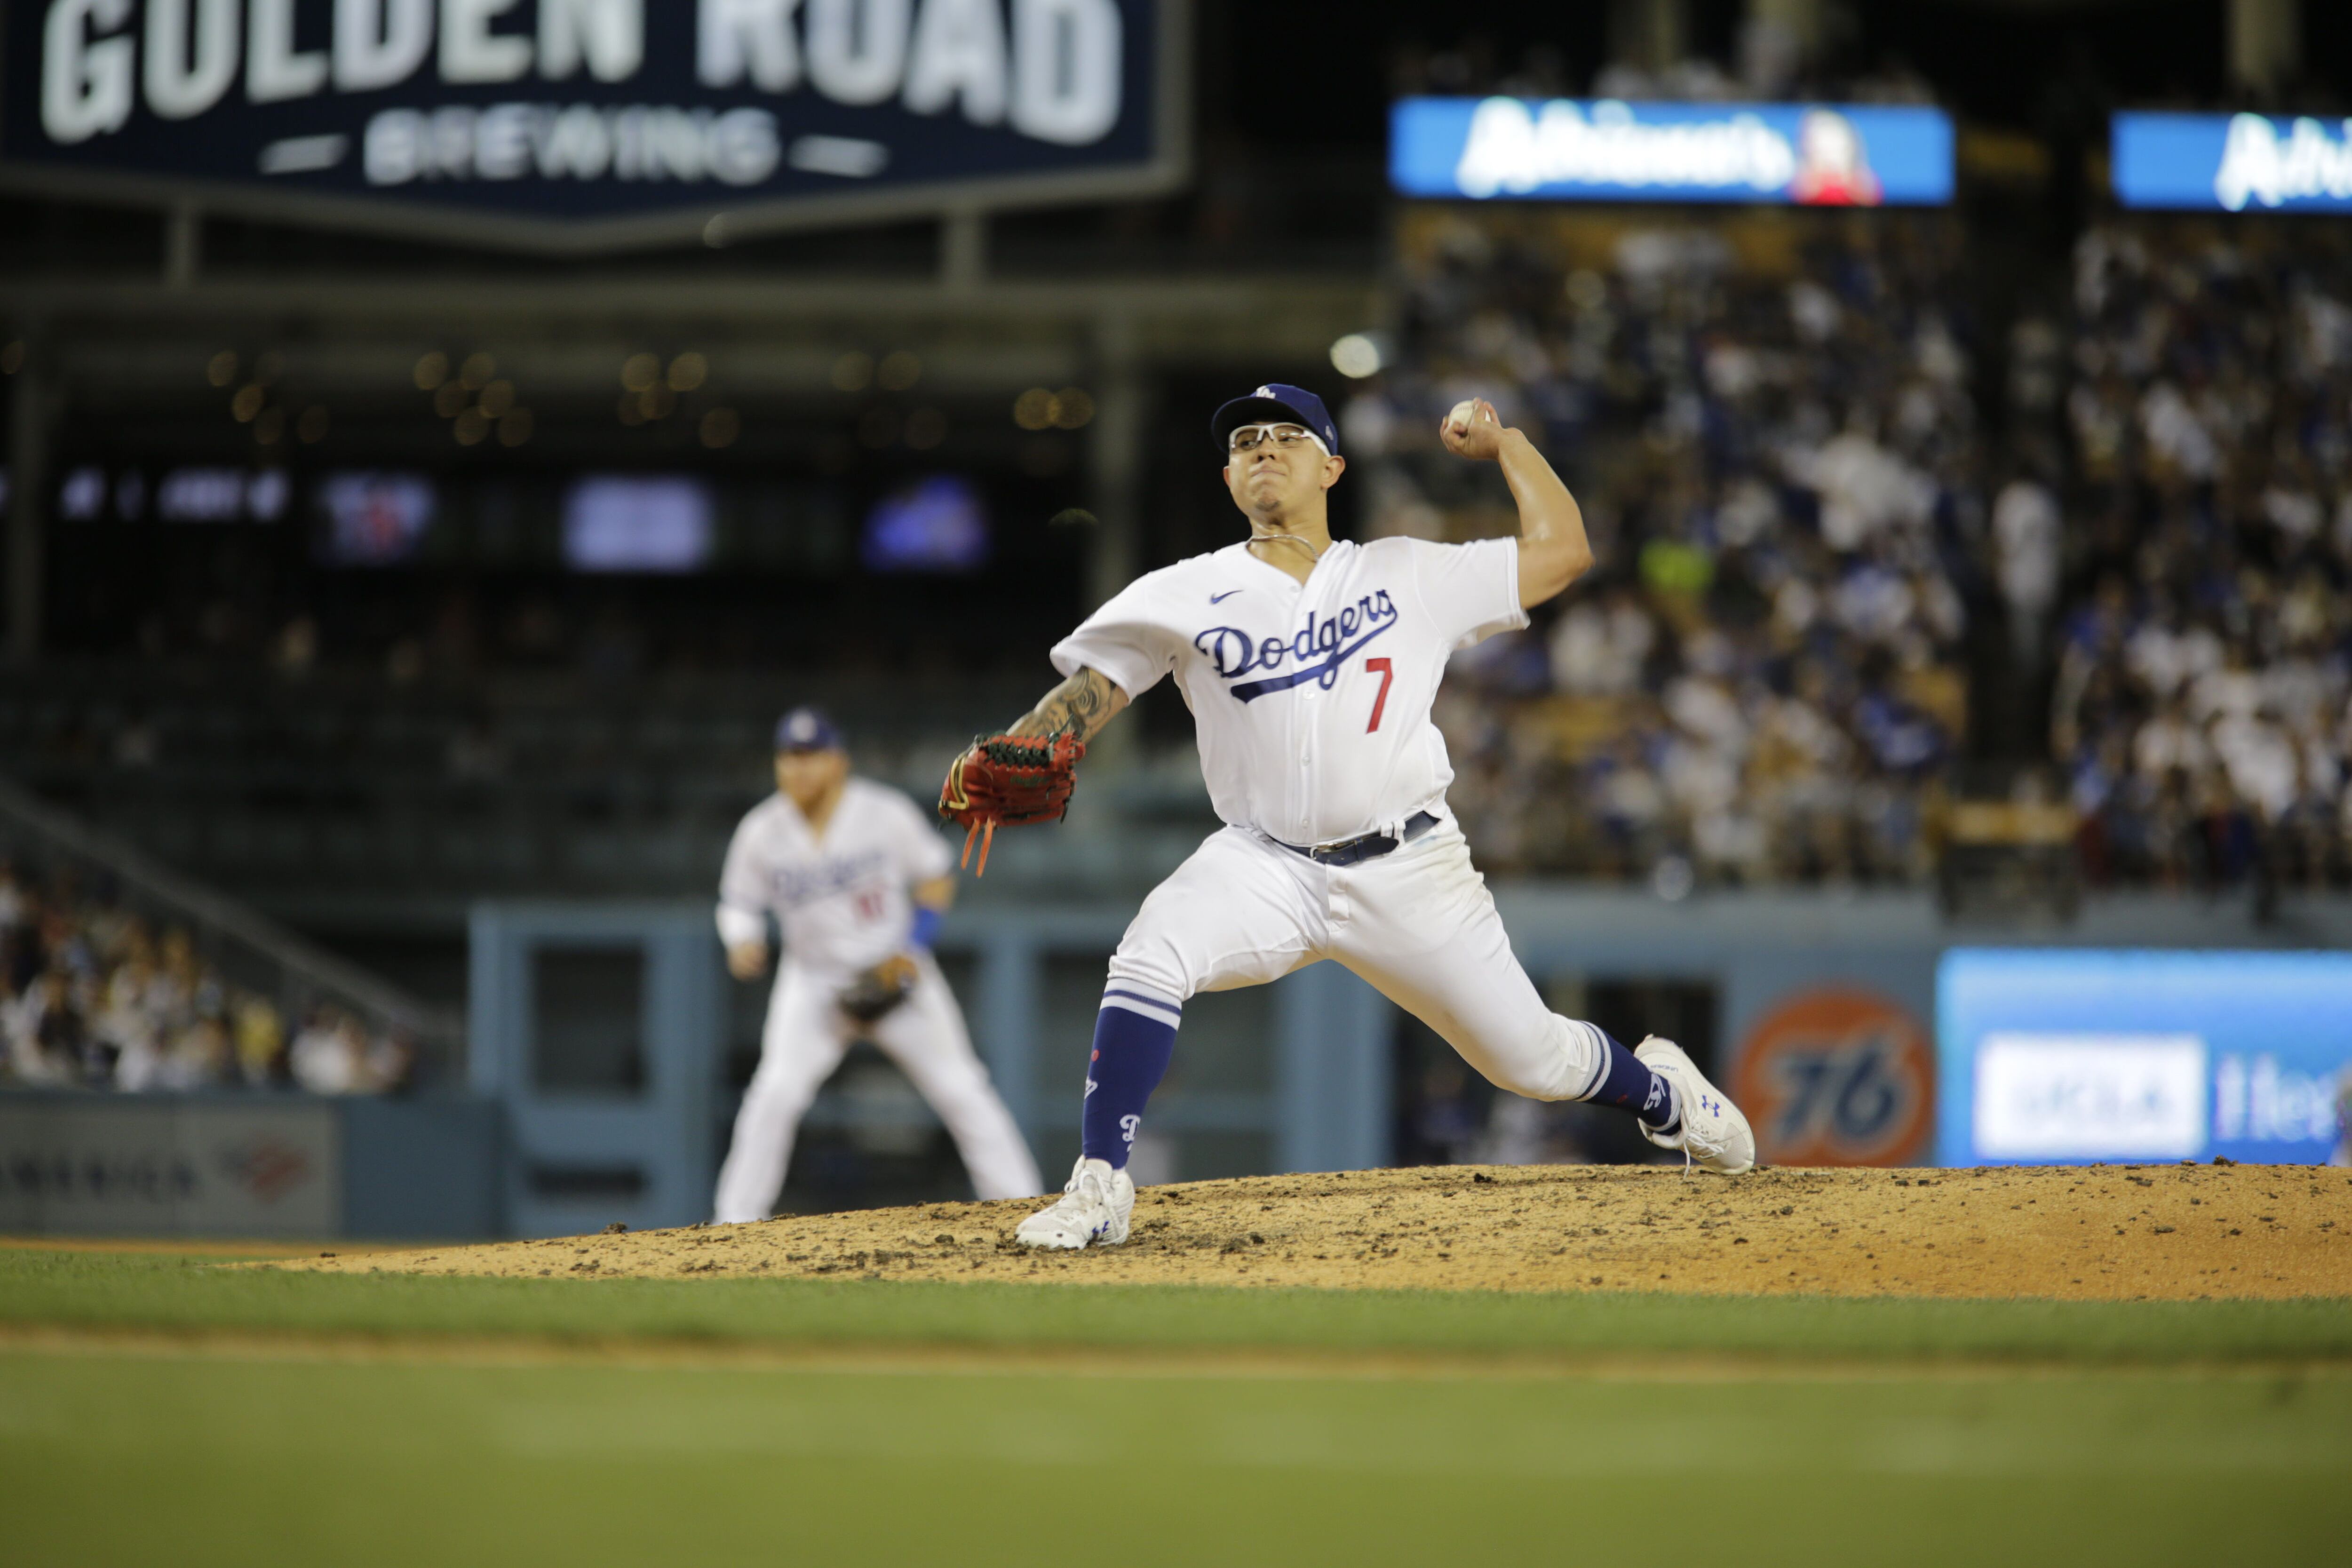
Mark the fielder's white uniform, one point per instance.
(1312, 704)
(842, 900)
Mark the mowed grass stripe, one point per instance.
(363, 1465)
(99, 1290)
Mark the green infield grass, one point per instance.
(158, 1409)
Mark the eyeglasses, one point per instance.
(1286, 439)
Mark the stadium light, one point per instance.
(1357, 357)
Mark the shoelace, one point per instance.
(1077, 1208)
(1684, 1101)
(1075, 1195)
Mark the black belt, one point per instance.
(1365, 846)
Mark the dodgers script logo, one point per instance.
(796, 886)
(1321, 648)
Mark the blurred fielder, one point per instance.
(1309, 667)
(859, 878)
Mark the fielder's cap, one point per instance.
(1275, 403)
(807, 730)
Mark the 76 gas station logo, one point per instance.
(1838, 1077)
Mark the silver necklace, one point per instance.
(1312, 554)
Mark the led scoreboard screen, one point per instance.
(1800, 155)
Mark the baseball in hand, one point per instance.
(1471, 431)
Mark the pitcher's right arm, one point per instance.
(1080, 706)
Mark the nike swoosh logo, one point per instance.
(1221, 598)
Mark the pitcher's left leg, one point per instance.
(1420, 925)
(926, 1038)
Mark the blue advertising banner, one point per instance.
(2232, 162)
(2049, 1056)
(1605, 151)
(567, 124)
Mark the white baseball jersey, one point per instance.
(1311, 699)
(842, 898)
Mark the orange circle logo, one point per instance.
(1838, 1077)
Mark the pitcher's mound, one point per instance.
(2114, 1232)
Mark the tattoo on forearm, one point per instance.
(1081, 705)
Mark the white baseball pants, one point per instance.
(1417, 923)
(805, 1038)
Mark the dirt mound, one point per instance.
(2104, 1233)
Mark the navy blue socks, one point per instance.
(1628, 1085)
(1135, 1035)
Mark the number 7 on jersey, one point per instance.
(1386, 671)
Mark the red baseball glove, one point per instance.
(1009, 779)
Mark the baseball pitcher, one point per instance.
(1310, 667)
(859, 878)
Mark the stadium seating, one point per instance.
(94, 995)
(2200, 705)
(1769, 423)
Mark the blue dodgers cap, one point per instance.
(807, 730)
(1275, 404)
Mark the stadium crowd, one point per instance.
(92, 997)
(1771, 429)
(2199, 706)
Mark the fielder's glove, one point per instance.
(1013, 780)
(878, 991)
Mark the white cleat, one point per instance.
(1092, 1211)
(1713, 1135)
